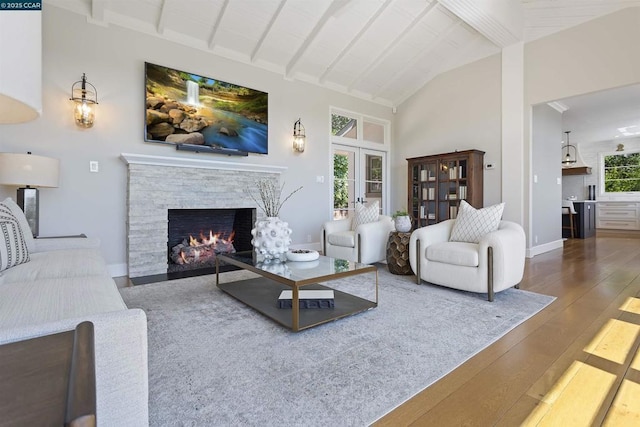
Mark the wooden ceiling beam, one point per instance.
(331, 11)
(430, 47)
(162, 19)
(500, 21)
(216, 25)
(97, 11)
(354, 40)
(267, 30)
(377, 60)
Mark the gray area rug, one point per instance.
(216, 362)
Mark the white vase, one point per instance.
(271, 238)
(403, 223)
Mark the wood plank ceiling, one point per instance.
(378, 50)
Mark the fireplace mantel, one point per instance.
(183, 162)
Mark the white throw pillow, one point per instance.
(365, 214)
(22, 220)
(471, 223)
(13, 251)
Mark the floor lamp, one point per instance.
(29, 172)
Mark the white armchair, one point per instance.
(492, 265)
(366, 244)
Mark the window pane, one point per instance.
(373, 132)
(344, 126)
(622, 173)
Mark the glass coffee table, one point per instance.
(262, 293)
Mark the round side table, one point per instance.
(398, 253)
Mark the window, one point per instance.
(621, 172)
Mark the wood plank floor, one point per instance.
(576, 363)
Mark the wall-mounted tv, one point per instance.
(203, 114)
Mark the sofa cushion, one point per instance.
(343, 238)
(22, 220)
(13, 249)
(58, 264)
(456, 253)
(47, 300)
(365, 214)
(471, 223)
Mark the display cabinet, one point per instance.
(437, 183)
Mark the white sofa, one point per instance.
(65, 282)
(493, 264)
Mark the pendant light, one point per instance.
(568, 152)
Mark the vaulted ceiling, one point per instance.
(379, 50)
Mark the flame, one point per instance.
(183, 258)
(212, 239)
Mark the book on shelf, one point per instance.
(431, 216)
(453, 212)
(423, 175)
(422, 215)
(432, 193)
(463, 191)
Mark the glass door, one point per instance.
(358, 177)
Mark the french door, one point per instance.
(359, 176)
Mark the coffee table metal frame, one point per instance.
(262, 293)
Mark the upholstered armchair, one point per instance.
(366, 243)
(493, 264)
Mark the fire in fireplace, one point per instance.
(197, 236)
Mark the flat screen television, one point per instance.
(199, 113)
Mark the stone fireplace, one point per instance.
(158, 184)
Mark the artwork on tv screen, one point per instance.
(194, 111)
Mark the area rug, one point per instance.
(215, 362)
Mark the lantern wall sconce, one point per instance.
(298, 137)
(85, 97)
(568, 152)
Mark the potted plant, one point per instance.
(270, 235)
(402, 221)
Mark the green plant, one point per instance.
(400, 213)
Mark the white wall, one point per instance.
(113, 59)
(546, 194)
(457, 110)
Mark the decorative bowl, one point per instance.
(302, 255)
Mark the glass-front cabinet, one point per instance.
(437, 183)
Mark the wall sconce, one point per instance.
(567, 158)
(84, 111)
(298, 137)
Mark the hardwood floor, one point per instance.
(576, 363)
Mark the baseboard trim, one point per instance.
(117, 270)
(547, 247)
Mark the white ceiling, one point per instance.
(379, 50)
(603, 116)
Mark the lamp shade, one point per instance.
(20, 66)
(28, 170)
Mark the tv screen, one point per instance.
(204, 114)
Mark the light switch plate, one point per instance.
(93, 166)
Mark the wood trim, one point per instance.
(580, 170)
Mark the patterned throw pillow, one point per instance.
(14, 249)
(471, 223)
(365, 214)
